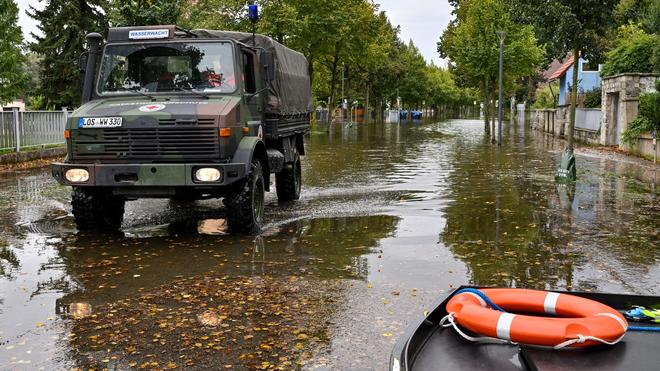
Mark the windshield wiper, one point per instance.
(190, 90)
(135, 90)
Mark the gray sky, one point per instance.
(421, 20)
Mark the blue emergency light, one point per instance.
(253, 12)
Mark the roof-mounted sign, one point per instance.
(149, 34)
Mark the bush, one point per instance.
(544, 97)
(648, 119)
(635, 51)
(592, 98)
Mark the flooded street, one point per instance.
(391, 218)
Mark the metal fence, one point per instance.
(31, 128)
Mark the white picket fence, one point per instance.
(24, 129)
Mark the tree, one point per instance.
(575, 26)
(471, 43)
(144, 12)
(332, 34)
(644, 12)
(64, 25)
(218, 15)
(413, 86)
(635, 51)
(33, 71)
(12, 77)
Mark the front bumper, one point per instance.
(148, 175)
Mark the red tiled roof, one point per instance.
(562, 70)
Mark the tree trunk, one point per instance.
(492, 121)
(310, 68)
(574, 92)
(349, 104)
(333, 84)
(486, 108)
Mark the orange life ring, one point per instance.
(580, 322)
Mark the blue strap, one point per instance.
(641, 328)
(490, 303)
(481, 295)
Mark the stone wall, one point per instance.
(561, 121)
(621, 105)
(555, 121)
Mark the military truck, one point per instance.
(185, 115)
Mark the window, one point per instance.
(248, 72)
(588, 66)
(167, 67)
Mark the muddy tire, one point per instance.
(96, 209)
(289, 181)
(245, 208)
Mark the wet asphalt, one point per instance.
(392, 217)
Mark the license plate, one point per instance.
(99, 122)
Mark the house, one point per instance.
(18, 103)
(588, 79)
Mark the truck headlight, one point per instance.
(207, 174)
(77, 175)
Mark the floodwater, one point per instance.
(391, 218)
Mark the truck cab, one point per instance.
(188, 115)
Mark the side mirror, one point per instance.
(82, 61)
(268, 66)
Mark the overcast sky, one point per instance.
(421, 20)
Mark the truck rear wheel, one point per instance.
(289, 181)
(245, 208)
(97, 209)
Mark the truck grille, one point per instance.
(158, 144)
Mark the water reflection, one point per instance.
(514, 226)
(391, 216)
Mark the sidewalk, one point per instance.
(613, 153)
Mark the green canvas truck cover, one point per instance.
(290, 93)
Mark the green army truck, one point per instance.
(186, 115)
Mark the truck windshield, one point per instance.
(168, 67)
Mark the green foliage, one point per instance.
(64, 25)
(592, 98)
(335, 33)
(649, 105)
(12, 77)
(569, 26)
(635, 51)
(144, 12)
(218, 15)
(471, 43)
(566, 25)
(545, 97)
(644, 12)
(636, 128)
(648, 118)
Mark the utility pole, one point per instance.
(500, 35)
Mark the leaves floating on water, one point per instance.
(202, 322)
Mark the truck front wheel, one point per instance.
(97, 209)
(245, 208)
(289, 181)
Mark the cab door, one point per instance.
(251, 87)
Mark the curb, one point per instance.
(18, 157)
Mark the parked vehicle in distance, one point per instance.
(188, 115)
